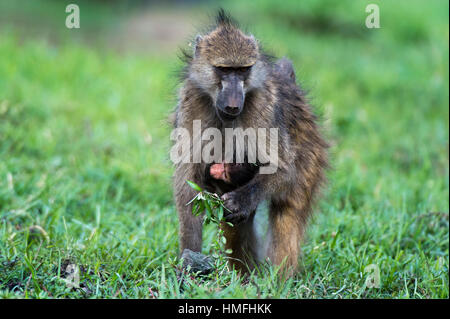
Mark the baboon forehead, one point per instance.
(229, 47)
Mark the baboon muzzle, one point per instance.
(230, 101)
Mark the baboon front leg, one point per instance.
(286, 228)
(190, 231)
(241, 239)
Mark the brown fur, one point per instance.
(272, 100)
(227, 46)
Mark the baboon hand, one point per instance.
(237, 209)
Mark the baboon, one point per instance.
(236, 174)
(229, 82)
(225, 177)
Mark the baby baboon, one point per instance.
(225, 177)
(230, 82)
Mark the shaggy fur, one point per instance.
(272, 100)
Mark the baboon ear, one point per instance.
(198, 39)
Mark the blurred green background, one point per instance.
(85, 175)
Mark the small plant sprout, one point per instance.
(211, 204)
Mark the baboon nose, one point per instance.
(232, 110)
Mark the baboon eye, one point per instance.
(222, 69)
(243, 69)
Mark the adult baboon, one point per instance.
(230, 83)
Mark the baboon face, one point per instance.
(231, 92)
(225, 65)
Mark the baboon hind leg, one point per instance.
(286, 229)
(242, 240)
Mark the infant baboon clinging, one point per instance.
(230, 83)
(226, 177)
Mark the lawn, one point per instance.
(85, 175)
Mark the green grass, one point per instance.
(84, 154)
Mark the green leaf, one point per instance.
(220, 215)
(194, 186)
(209, 211)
